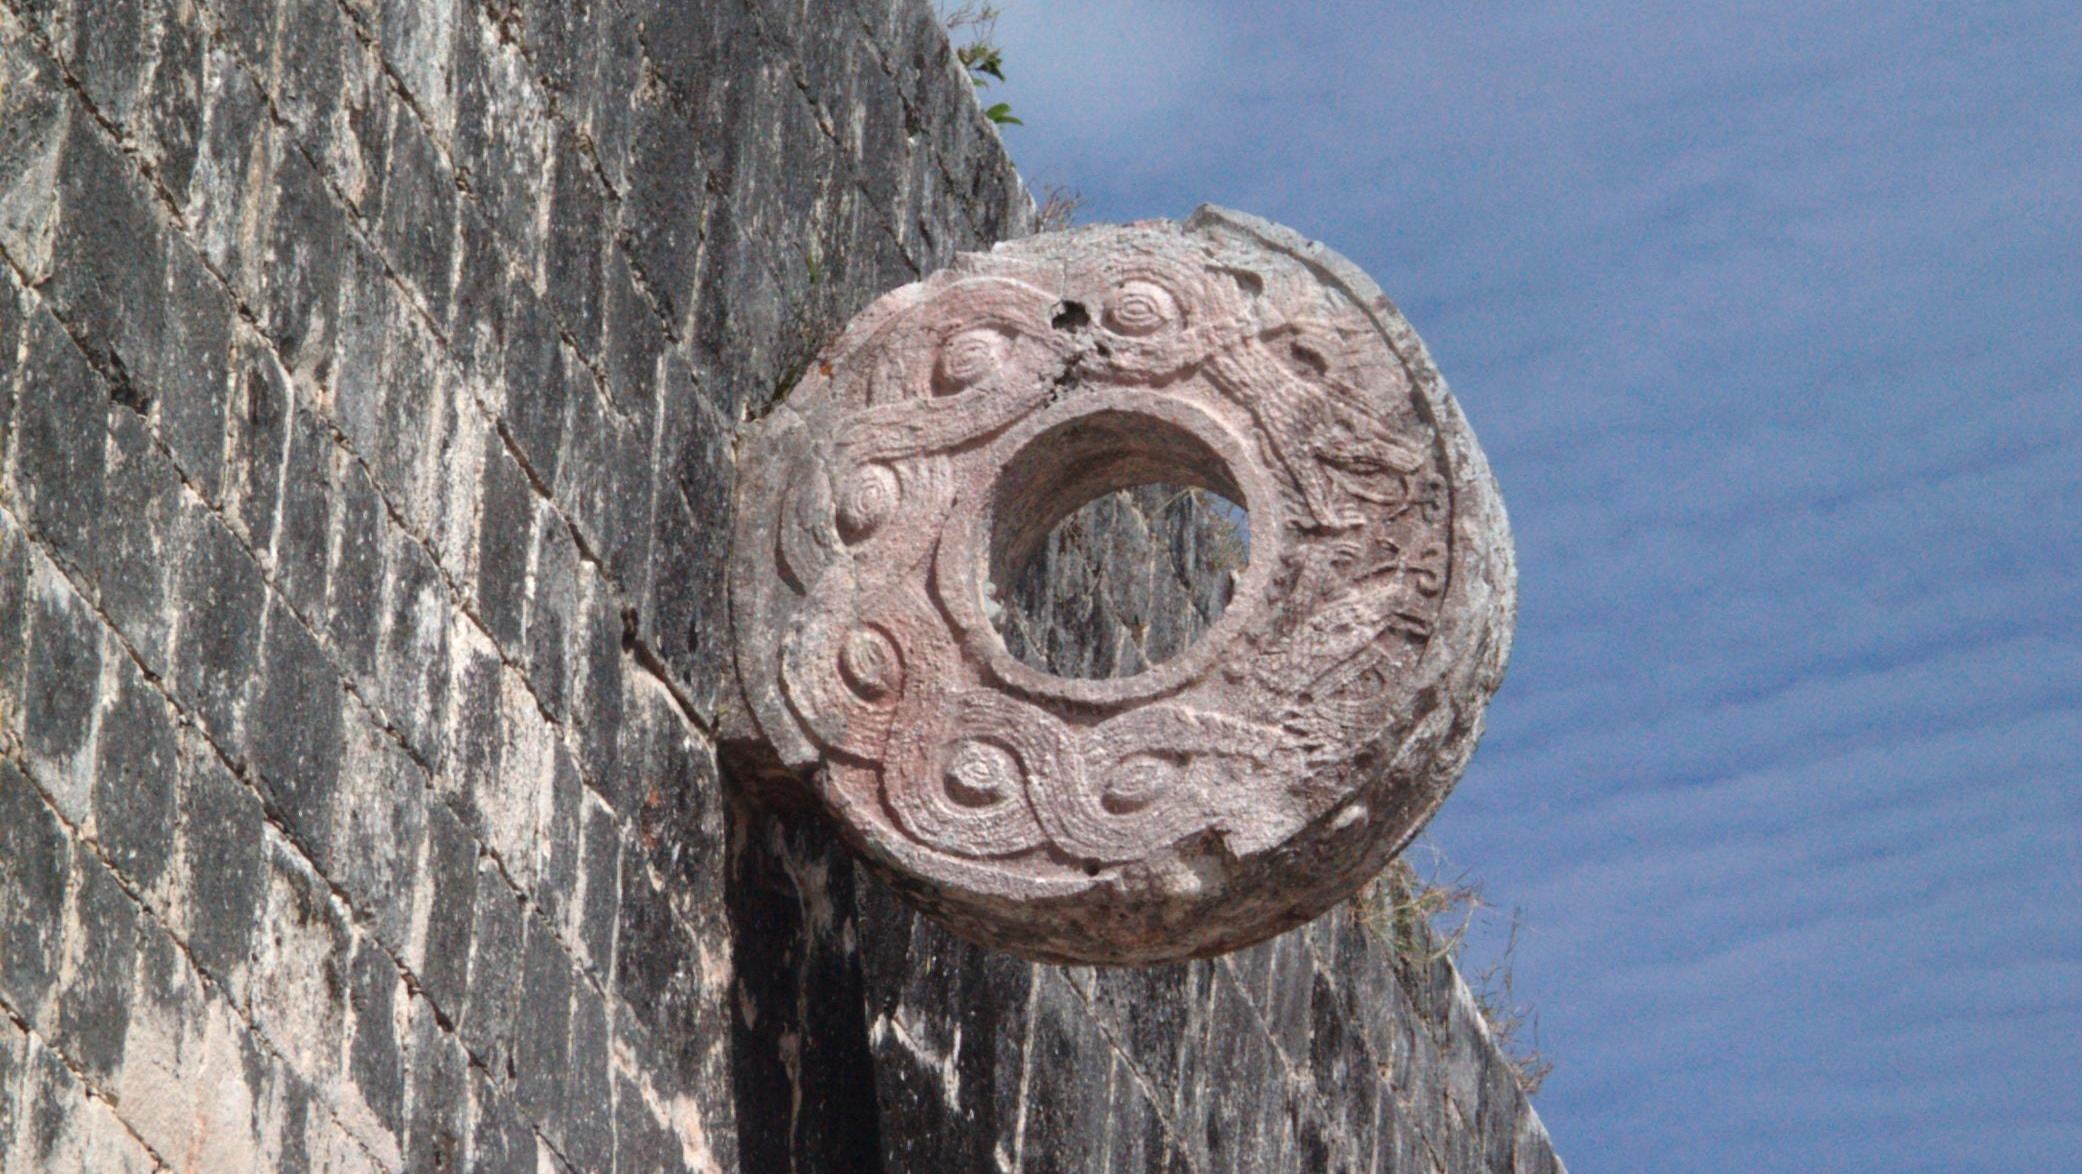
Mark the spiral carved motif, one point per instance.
(1223, 795)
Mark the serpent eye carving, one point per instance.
(1208, 800)
(870, 664)
(982, 773)
(1141, 308)
(1139, 781)
(866, 500)
(967, 359)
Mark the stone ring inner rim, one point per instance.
(1064, 457)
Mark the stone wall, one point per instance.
(368, 377)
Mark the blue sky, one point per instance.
(1769, 316)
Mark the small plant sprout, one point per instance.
(975, 24)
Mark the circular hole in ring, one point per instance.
(1116, 541)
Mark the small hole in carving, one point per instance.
(1115, 550)
(1071, 316)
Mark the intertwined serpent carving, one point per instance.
(1213, 799)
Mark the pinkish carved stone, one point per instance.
(1219, 797)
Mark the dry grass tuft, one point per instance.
(1058, 205)
(1426, 920)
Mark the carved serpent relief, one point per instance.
(1211, 800)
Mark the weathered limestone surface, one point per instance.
(369, 373)
(1242, 785)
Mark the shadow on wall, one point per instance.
(803, 1077)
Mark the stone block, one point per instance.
(493, 999)
(35, 872)
(64, 1127)
(310, 255)
(1340, 1058)
(542, 1028)
(632, 336)
(886, 147)
(142, 537)
(466, 436)
(535, 394)
(1233, 1108)
(417, 41)
(642, 1140)
(615, 514)
(358, 538)
(151, 319)
(12, 302)
(136, 773)
(648, 958)
(471, 751)
(1152, 1011)
(195, 1081)
(1067, 1091)
(235, 150)
(502, 125)
(448, 882)
(505, 531)
(14, 619)
(599, 678)
(250, 28)
(947, 1042)
(412, 666)
(1290, 975)
(297, 736)
(599, 893)
(586, 469)
(34, 119)
(679, 600)
(217, 643)
(417, 232)
(14, 1058)
(62, 686)
(556, 871)
(578, 241)
(169, 124)
(417, 422)
(259, 412)
(371, 323)
(587, 1105)
(743, 328)
(664, 209)
(168, 1018)
(375, 1062)
(59, 442)
(187, 368)
(379, 832)
(97, 980)
(512, 800)
(553, 610)
(311, 473)
(679, 818)
(479, 310)
(438, 1071)
(306, 70)
(225, 862)
(298, 970)
(500, 1140)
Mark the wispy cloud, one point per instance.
(1766, 314)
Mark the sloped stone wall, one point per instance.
(368, 377)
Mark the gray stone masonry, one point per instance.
(369, 374)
